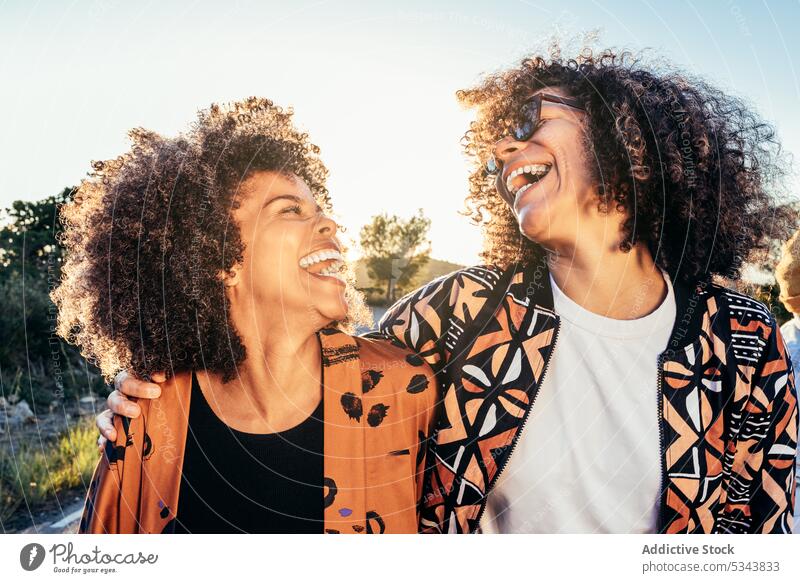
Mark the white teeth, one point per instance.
(523, 189)
(320, 256)
(535, 170)
(333, 272)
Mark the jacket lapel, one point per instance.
(503, 358)
(163, 444)
(345, 459)
(691, 423)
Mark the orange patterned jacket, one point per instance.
(727, 402)
(378, 406)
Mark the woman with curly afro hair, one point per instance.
(636, 393)
(211, 256)
(613, 195)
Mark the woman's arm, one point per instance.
(415, 322)
(431, 319)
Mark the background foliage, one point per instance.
(35, 364)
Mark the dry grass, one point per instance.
(32, 474)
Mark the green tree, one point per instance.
(35, 363)
(395, 249)
(28, 237)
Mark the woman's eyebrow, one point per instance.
(292, 197)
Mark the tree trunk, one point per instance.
(390, 291)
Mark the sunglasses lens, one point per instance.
(491, 166)
(530, 117)
(523, 133)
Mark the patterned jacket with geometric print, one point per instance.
(727, 414)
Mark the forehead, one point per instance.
(262, 186)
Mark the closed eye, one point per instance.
(295, 208)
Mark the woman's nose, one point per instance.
(326, 226)
(507, 147)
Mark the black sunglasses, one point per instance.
(530, 116)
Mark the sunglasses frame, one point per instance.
(533, 119)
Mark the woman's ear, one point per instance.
(232, 277)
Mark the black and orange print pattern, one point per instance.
(728, 417)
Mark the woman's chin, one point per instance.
(532, 226)
(332, 317)
(332, 309)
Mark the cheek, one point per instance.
(273, 261)
(577, 160)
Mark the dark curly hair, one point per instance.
(148, 234)
(696, 171)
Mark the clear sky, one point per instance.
(372, 82)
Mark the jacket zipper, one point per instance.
(661, 449)
(522, 424)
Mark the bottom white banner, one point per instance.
(486, 558)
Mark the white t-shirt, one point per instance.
(588, 459)
(791, 336)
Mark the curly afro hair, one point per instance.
(697, 172)
(148, 234)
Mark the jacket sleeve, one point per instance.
(111, 504)
(418, 322)
(773, 402)
(431, 319)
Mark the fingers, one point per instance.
(101, 443)
(105, 423)
(133, 387)
(119, 404)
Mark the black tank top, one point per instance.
(237, 482)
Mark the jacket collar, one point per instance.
(688, 298)
(689, 314)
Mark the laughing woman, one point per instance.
(211, 256)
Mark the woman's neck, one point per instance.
(607, 281)
(277, 386)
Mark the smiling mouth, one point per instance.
(324, 263)
(525, 177)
